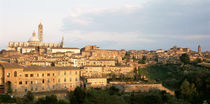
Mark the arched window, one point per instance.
(15, 74)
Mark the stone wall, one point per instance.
(140, 87)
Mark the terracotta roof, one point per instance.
(37, 68)
(10, 65)
(102, 60)
(65, 48)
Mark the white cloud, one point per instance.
(197, 36)
(78, 15)
(109, 36)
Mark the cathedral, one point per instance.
(34, 42)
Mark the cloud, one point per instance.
(160, 22)
(197, 36)
(158, 17)
(106, 38)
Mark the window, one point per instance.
(8, 74)
(48, 80)
(26, 90)
(42, 74)
(37, 75)
(31, 82)
(48, 74)
(26, 82)
(75, 79)
(70, 79)
(43, 81)
(26, 75)
(32, 89)
(53, 74)
(76, 72)
(20, 82)
(58, 80)
(64, 73)
(64, 79)
(31, 75)
(15, 74)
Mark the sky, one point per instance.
(109, 24)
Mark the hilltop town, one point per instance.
(41, 67)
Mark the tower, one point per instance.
(62, 42)
(199, 50)
(34, 34)
(40, 32)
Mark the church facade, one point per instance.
(34, 42)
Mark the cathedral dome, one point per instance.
(33, 38)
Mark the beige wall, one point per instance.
(41, 80)
(96, 82)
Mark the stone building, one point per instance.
(37, 79)
(36, 43)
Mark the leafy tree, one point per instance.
(7, 99)
(143, 60)
(187, 90)
(52, 99)
(113, 90)
(77, 96)
(185, 58)
(29, 97)
(62, 102)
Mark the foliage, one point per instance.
(185, 58)
(29, 97)
(187, 90)
(143, 60)
(7, 99)
(52, 99)
(173, 76)
(151, 97)
(95, 96)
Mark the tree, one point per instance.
(9, 90)
(52, 99)
(185, 58)
(143, 60)
(77, 96)
(187, 90)
(29, 97)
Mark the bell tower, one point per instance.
(199, 50)
(40, 32)
(62, 42)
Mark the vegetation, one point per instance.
(114, 96)
(185, 58)
(191, 82)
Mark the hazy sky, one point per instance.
(110, 24)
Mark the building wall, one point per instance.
(65, 50)
(96, 82)
(41, 80)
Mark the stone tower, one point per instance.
(199, 50)
(62, 42)
(34, 34)
(40, 32)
